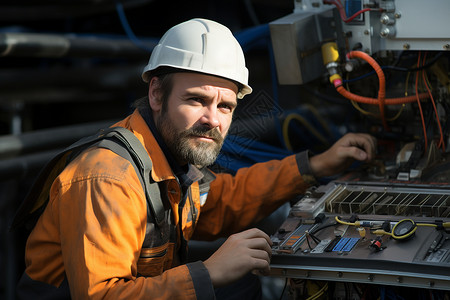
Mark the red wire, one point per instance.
(341, 9)
(420, 107)
(441, 141)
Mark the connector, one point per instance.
(330, 56)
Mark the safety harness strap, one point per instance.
(117, 139)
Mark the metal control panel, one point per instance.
(324, 249)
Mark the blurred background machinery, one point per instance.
(319, 69)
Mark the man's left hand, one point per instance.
(351, 147)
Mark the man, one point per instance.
(95, 238)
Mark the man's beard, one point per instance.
(185, 148)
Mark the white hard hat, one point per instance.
(203, 46)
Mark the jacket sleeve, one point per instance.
(102, 223)
(236, 202)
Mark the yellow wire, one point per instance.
(319, 293)
(368, 113)
(428, 82)
(406, 84)
(319, 118)
(380, 231)
(345, 223)
(398, 113)
(304, 123)
(364, 112)
(356, 105)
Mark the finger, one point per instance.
(259, 244)
(370, 143)
(259, 260)
(260, 255)
(362, 146)
(254, 233)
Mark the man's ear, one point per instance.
(154, 94)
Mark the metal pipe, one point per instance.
(61, 45)
(21, 167)
(15, 145)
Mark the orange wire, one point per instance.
(381, 79)
(374, 101)
(420, 106)
(381, 101)
(441, 141)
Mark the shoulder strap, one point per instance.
(119, 140)
(142, 161)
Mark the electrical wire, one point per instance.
(305, 123)
(319, 118)
(424, 129)
(284, 288)
(126, 26)
(342, 12)
(399, 69)
(392, 234)
(418, 68)
(368, 113)
(382, 82)
(355, 104)
(381, 100)
(425, 80)
(319, 293)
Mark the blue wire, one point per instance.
(382, 293)
(127, 28)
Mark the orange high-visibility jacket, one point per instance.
(89, 238)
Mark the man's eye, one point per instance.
(225, 107)
(196, 99)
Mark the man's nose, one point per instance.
(210, 117)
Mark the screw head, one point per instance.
(406, 46)
(447, 46)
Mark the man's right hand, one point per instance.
(241, 253)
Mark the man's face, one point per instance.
(198, 116)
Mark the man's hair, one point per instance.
(165, 84)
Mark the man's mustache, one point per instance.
(212, 133)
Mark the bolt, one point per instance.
(397, 15)
(366, 32)
(399, 279)
(431, 283)
(284, 272)
(447, 46)
(308, 274)
(340, 274)
(370, 277)
(406, 46)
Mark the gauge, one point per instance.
(404, 229)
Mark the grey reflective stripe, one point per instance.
(138, 152)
